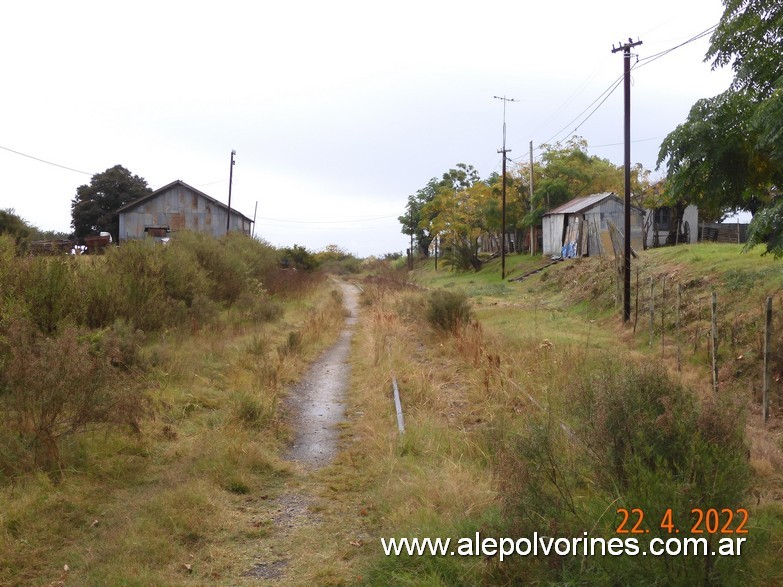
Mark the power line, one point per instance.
(650, 58)
(370, 219)
(618, 144)
(640, 62)
(607, 92)
(45, 161)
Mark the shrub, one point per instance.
(49, 290)
(258, 256)
(134, 274)
(291, 283)
(183, 277)
(298, 257)
(226, 273)
(636, 440)
(53, 386)
(448, 311)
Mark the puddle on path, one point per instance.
(316, 402)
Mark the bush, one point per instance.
(134, 274)
(227, 274)
(291, 283)
(54, 386)
(637, 419)
(636, 440)
(49, 289)
(448, 311)
(298, 257)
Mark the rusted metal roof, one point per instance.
(183, 184)
(581, 204)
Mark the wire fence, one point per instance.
(734, 339)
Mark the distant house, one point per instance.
(662, 227)
(178, 206)
(581, 227)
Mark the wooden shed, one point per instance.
(178, 206)
(581, 227)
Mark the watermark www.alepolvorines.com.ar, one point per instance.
(538, 545)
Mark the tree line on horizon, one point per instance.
(460, 208)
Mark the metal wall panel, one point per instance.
(180, 209)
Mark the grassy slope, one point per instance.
(460, 401)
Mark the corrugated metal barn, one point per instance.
(581, 227)
(174, 207)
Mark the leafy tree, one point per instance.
(461, 219)
(94, 208)
(728, 154)
(15, 226)
(415, 221)
(568, 171)
(767, 228)
(298, 257)
(420, 216)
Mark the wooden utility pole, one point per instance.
(230, 182)
(255, 211)
(626, 49)
(503, 203)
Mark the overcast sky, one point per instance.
(337, 110)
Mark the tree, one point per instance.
(15, 226)
(728, 154)
(463, 216)
(568, 171)
(415, 222)
(298, 257)
(419, 217)
(95, 207)
(767, 228)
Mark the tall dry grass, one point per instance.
(156, 438)
(514, 437)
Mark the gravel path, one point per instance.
(316, 403)
(316, 406)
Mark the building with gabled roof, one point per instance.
(178, 206)
(581, 227)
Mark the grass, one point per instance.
(469, 398)
(183, 502)
(498, 414)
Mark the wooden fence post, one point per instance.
(767, 336)
(663, 315)
(696, 332)
(678, 333)
(636, 305)
(652, 310)
(714, 342)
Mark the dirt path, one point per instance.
(317, 407)
(317, 401)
